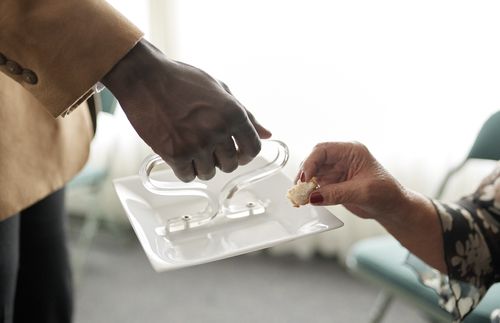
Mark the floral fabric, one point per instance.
(471, 235)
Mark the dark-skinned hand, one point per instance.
(187, 117)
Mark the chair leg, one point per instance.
(382, 303)
(87, 234)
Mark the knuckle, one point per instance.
(207, 176)
(189, 150)
(229, 151)
(244, 159)
(225, 86)
(230, 167)
(256, 147)
(181, 154)
(339, 193)
(321, 145)
(360, 146)
(186, 178)
(331, 196)
(250, 153)
(183, 171)
(179, 159)
(235, 113)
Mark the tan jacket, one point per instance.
(52, 53)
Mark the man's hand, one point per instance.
(192, 121)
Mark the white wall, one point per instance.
(412, 80)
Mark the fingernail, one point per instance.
(316, 198)
(302, 177)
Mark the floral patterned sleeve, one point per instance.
(471, 236)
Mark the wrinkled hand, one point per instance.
(348, 174)
(188, 118)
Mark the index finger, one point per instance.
(313, 162)
(335, 161)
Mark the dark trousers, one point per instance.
(35, 277)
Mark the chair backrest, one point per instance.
(487, 144)
(108, 101)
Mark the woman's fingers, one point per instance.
(334, 194)
(313, 163)
(338, 160)
(299, 177)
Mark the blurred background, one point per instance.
(414, 81)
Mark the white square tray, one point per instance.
(222, 238)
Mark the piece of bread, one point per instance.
(299, 193)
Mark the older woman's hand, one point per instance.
(348, 174)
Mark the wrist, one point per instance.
(131, 70)
(413, 208)
(418, 229)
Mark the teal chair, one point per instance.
(92, 178)
(381, 260)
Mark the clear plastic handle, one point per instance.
(242, 181)
(196, 189)
(215, 205)
(162, 187)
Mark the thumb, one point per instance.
(261, 131)
(333, 194)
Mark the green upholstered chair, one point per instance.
(381, 260)
(92, 178)
(92, 175)
(486, 146)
